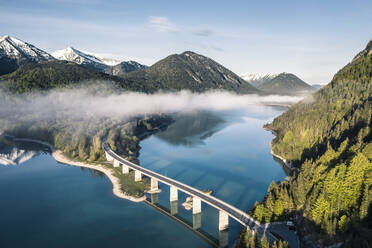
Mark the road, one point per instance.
(282, 230)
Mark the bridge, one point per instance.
(225, 210)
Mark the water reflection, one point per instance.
(196, 220)
(192, 128)
(195, 226)
(234, 160)
(223, 237)
(93, 173)
(16, 153)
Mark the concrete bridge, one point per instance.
(225, 210)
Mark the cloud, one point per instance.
(162, 24)
(203, 32)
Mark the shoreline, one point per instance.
(59, 157)
(285, 161)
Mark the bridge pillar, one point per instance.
(125, 169)
(154, 185)
(196, 205)
(223, 221)
(173, 194)
(174, 207)
(116, 163)
(108, 157)
(137, 176)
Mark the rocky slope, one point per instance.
(74, 55)
(125, 67)
(95, 62)
(257, 79)
(15, 53)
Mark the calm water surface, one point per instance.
(47, 204)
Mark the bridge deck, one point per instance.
(240, 216)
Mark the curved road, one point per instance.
(240, 216)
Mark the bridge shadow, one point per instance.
(214, 242)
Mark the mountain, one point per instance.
(317, 86)
(96, 62)
(105, 60)
(61, 73)
(74, 55)
(283, 83)
(327, 139)
(14, 53)
(257, 79)
(190, 71)
(187, 71)
(125, 67)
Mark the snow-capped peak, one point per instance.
(16, 49)
(75, 55)
(104, 58)
(82, 57)
(249, 77)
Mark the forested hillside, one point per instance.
(327, 137)
(61, 74)
(286, 84)
(190, 71)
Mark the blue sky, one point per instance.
(312, 39)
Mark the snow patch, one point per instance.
(17, 49)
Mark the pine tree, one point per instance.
(264, 242)
(367, 198)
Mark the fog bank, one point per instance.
(81, 103)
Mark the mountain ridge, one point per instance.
(192, 71)
(185, 71)
(94, 62)
(15, 52)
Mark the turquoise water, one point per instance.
(46, 204)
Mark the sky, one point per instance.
(312, 39)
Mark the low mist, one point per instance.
(88, 103)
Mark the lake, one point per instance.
(47, 204)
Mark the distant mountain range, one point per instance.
(283, 83)
(125, 67)
(95, 62)
(257, 79)
(318, 86)
(188, 70)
